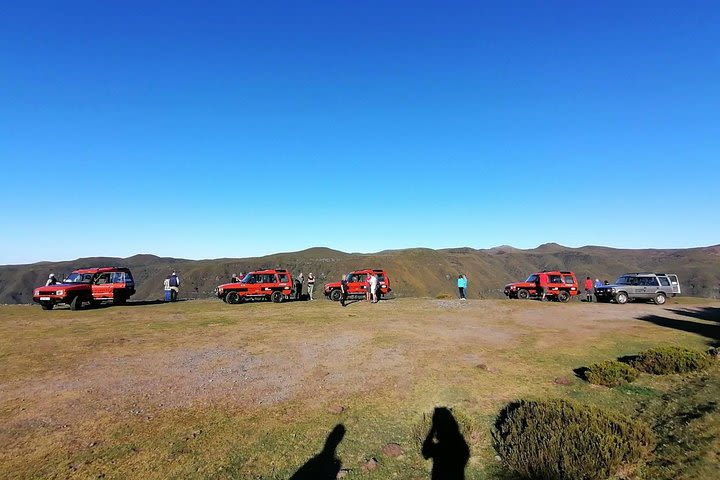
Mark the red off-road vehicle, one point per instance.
(558, 286)
(274, 285)
(93, 285)
(357, 286)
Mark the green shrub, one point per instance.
(561, 440)
(664, 360)
(611, 373)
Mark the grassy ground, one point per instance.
(202, 389)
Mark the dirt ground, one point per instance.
(71, 379)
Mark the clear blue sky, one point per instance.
(233, 129)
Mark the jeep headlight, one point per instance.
(220, 290)
(60, 292)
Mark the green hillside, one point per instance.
(415, 272)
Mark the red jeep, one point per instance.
(558, 286)
(274, 285)
(93, 285)
(357, 286)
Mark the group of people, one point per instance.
(171, 285)
(299, 281)
(590, 287)
(371, 288)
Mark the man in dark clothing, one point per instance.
(174, 281)
(343, 291)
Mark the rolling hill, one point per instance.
(416, 272)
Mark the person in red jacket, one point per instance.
(540, 283)
(589, 289)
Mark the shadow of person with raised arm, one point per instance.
(325, 465)
(446, 446)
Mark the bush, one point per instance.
(611, 373)
(561, 440)
(664, 360)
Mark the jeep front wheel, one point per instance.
(621, 298)
(76, 303)
(276, 297)
(523, 294)
(335, 295)
(563, 297)
(660, 299)
(232, 298)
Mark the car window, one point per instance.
(554, 279)
(102, 279)
(664, 281)
(568, 279)
(117, 277)
(283, 277)
(532, 279)
(268, 278)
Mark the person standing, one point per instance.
(298, 286)
(311, 285)
(368, 294)
(588, 289)
(462, 284)
(174, 286)
(166, 289)
(540, 287)
(343, 291)
(52, 280)
(373, 287)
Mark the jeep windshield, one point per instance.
(532, 279)
(78, 278)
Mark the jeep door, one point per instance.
(650, 286)
(102, 286)
(356, 283)
(675, 284)
(267, 282)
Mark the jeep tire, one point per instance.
(76, 303)
(523, 294)
(276, 296)
(335, 295)
(233, 298)
(621, 298)
(563, 296)
(660, 299)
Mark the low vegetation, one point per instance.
(671, 359)
(204, 390)
(564, 440)
(611, 373)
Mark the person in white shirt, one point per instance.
(373, 287)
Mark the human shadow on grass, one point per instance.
(325, 465)
(446, 446)
(708, 325)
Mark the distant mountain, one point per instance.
(413, 272)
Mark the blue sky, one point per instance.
(234, 129)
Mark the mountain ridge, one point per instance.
(415, 271)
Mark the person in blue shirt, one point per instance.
(462, 285)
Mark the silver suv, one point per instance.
(640, 286)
